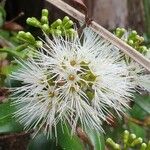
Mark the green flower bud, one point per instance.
(33, 22)
(59, 28)
(132, 137)
(141, 39)
(39, 44)
(26, 36)
(44, 20)
(148, 146)
(126, 136)
(21, 33)
(71, 32)
(130, 42)
(123, 30)
(57, 23)
(144, 49)
(134, 32)
(143, 146)
(57, 32)
(65, 19)
(119, 32)
(45, 28)
(30, 37)
(118, 29)
(114, 145)
(117, 147)
(138, 37)
(68, 24)
(136, 142)
(45, 12)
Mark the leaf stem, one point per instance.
(14, 51)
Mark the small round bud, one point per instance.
(137, 37)
(118, 29)
(132, 137)
(57, 23)
(57, 32)
(123, 30)
(45, 12)
(30, 37)
(28, 34)
(137, 141)
(66, 19)
(44, 20)
(68, 24)
(130, 42)
(110, 142)
(148, 146)
(126, 136)
(21, 33)
(141, 39)
(117, 147)
(33, 22)
(45, 27)
(71, 32)
(39, 44)
(114, 145)
(144, 48)
(134, 32)
(59, 27)
(119, 32)
(143, 146)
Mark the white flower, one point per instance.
(78, 80)
(141, 79)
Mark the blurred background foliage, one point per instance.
(132, 15)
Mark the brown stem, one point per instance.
(84, 137)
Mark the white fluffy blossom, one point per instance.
(78, 80)
(141, 78)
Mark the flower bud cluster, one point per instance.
(132, 38)
(59, 27)
(129, 141)
(27, 37)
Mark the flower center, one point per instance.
(51, 94)
(72, 62)
(71, 77)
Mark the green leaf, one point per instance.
(143, 102)
(96, 138)
(137, 112)
(7, 122)
(137, 130)
(6, 70)
(2, 16)
(40, 142)
(66, 140)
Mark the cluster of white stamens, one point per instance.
(78, 80)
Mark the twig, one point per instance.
(135, 55)
(83, 136)
(14, 135)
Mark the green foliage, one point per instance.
(66, 140)
(2, 16)
(40, 142)
(143, 102)
(147, 17)
(7, 122)
(97, 139)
